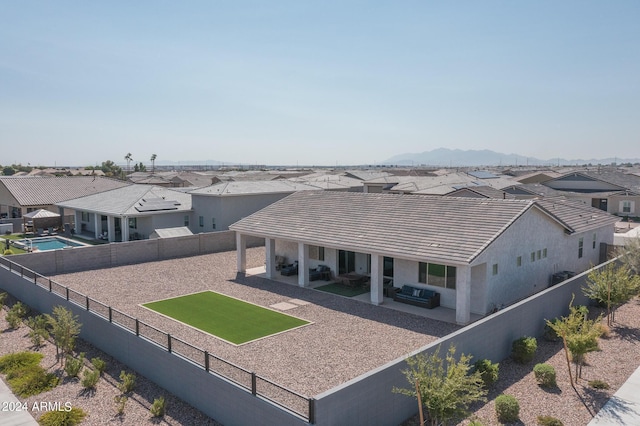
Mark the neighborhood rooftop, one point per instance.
(38, 191)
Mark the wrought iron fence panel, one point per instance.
(282, 396)
(153, 334)
(188, 351)
(98, 308)
(123, 320)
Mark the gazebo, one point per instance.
(40, 219)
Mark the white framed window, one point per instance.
(186, 220)
(437, 275)
(544, 253)
(580, 247)
(133, 222)
(494, 269)
(519, 261)
(594, 241)
(533, 256)
(213, 223)
(627, 206)
(539, 254)
(201, 221)
(85, 216)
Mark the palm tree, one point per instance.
(129, 158)
(153, 163)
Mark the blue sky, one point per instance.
(320, 83)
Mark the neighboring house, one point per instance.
(612, 191)
(479, 192)
(218, 206)
(332, 181)
(440, 184)
(130, 212)
(478, 253)
(21, 195)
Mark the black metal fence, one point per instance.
(280, 396)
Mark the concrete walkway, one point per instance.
(623, 408)
(11, 413)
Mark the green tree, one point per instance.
(579, 336)
(8, 171)
(153, 163)
(64, 329)
(446, 386)
(611, 286)
(128, 159)
(139, 167)
(110, 169)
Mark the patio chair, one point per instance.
(289, 270)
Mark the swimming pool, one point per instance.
(47, 243)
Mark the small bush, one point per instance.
(548, 421)
(7, 252)
(63, 418)
(3, 297)
(605, 331)
(99, 365)
(598, 384)
(507, 408)
(127, 382)
(121, 400)
(475, 422)
(524, 349)
(545, 375)
(18, 311)
(31, 380)
(90, 379)
(488, 371)
(39, 331)
(158, 407)
(18, 360)
(72, 366)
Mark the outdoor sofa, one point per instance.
(321, 272)
(291, 269)
(417, 296)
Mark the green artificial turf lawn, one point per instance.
(230, 319)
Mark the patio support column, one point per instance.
(241, 252)
(97, 224)
(77, 218)
(303, 269)
(124, 226)
(463, 294)
(111, 229)
(270, 252)
(377, 272)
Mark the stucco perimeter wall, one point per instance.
(211, 394)
(109, 255)
(369, 399)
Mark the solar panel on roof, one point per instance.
(158, 204)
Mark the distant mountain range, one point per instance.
(456, 157)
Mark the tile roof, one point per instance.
(579, 217)
(37, 191)
(253, 187)
(449, 229)
(132, 200)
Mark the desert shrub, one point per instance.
(598, 384)
(63, 418)
(7, 252)
(158, 407)
(99, 364)
(39, 331)
(545, 375)
(3, 297)
(548, 421)
(14, 317)
(127, 382)
(507, 408)
(90, 379)
(18, 360)
(475, 422)
(31, 380)
(524, 349)
(549, 333)
(121, 401)
(488, 371)
(72, 366)
(605, 330)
